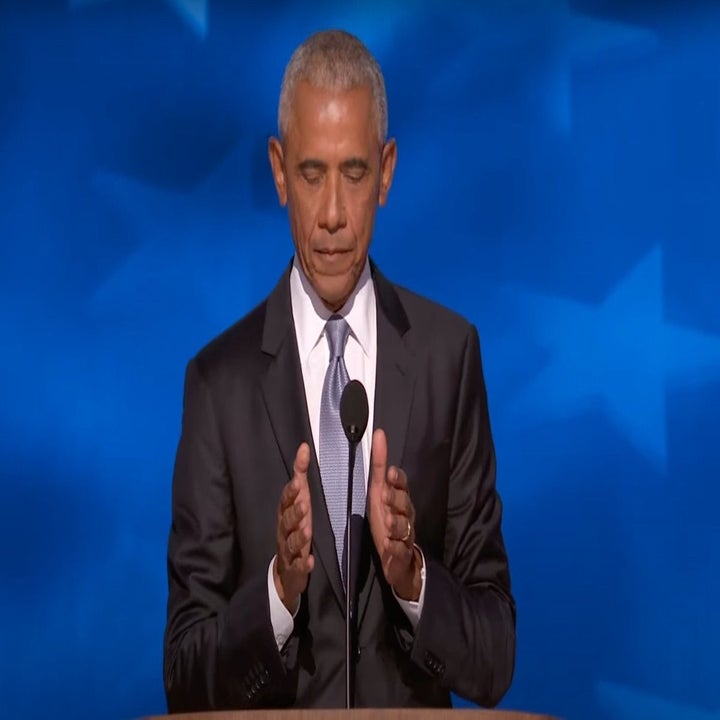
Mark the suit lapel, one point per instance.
(394, 383)
(284, 393)
(395, 376)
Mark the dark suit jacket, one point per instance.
(244, 416)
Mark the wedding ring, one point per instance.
(407, 532)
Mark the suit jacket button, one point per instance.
(357, 654)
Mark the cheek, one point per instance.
(302, 219)
(362, 219)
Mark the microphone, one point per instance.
(354, 411)
(354, 418)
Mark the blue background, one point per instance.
(558, 183)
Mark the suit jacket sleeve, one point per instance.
(219, 650)
(466, 635)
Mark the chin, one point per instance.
(335, 291)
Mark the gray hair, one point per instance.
(336, 60)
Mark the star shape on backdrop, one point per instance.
(627, 703)
(193, 12)
(508, 35)
(196, 251)
(617, 356)
(583, 39)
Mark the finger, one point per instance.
(397, 501)
(294, 573)
(378, 457)
(294, 517)
(397, 478)
(397, 528)
(302, 564)
(289, 494)
(297, 541)
(289, 519)
(298, 482)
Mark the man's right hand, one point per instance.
(294, 563)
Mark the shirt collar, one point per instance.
(311, 315)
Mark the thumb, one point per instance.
(302, 462)
(379, 457)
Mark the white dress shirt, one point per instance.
(310, 316)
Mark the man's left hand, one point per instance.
(392, 523)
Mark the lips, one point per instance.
(333, 261)
(332, 251)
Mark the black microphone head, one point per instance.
(354, 410)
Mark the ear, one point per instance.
(277, 163)
(387, 169)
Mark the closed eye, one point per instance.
(312, 171)
(355, 175)
(355, 169)
(312, 177)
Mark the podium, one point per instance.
(358, 714)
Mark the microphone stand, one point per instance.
(349, 675)
(354, 419)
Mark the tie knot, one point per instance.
(337, 331)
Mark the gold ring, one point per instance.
(407, 533)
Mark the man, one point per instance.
(256, 604)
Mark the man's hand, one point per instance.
(392, 523)
(294, 563)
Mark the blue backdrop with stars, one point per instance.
(558, 183)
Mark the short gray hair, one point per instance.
(336, 60)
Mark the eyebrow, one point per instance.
(353, 163)
(312, 164)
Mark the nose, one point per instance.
(332, 210)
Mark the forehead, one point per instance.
(327, 119)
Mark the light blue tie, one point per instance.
(334, 451)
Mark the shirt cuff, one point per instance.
(412, 608)
(280, 618)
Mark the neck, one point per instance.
(333, 307)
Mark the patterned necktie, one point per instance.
(334, 450)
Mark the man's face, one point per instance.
(332, 171)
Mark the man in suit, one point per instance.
(256, 592)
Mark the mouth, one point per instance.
(333, 260)
(333, 251)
